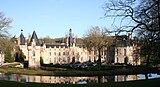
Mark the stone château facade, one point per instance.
(56, 53)
(69, 51)
(124, 50)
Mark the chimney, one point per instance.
(29, 38)
(19, 40)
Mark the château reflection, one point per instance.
(68, 79)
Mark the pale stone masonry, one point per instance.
(124, 48)
(31, 49)
(61, 53)
(69, 51)
(1, 57)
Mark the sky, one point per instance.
(54, 18)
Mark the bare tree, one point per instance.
(134, 14)
(5, 43)
(137, 16)
(4, 24)
(97, 39)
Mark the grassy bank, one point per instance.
(141, 83)
(120, 71)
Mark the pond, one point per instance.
(74, 79)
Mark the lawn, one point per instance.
(57, 72)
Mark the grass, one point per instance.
(60, 72)
(25, 71)
(140, 83)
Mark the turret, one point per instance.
(70, 40)
(21, 39)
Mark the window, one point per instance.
(89, 52)
(81, 58)
(78, 58)
(59, 53)
(117, 52)
(55, 60)
(64, 59)
(124, 52)
(89, 58)
(59, 60)
(50, 53)
(55, 53)
(63, 53)
(34, 79)
(50, 60)
(34, 60)
(33, 53)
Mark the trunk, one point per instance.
(150, 50)
(146, 76)
(147, 62)
(99, 57)
(100, 79)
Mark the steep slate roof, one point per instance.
(22, 39)
(80, 45)
(123, 41)
(34, 36)
(60, 45)
(55, 45)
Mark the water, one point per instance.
(150, 76)
(73, 79)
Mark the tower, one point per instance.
(21, 39)
(71, 40)
(34, 51)
(70, 37)
(23, 44)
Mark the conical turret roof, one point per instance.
(22, 39)
(34, 36)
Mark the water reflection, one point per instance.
(69, 79)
